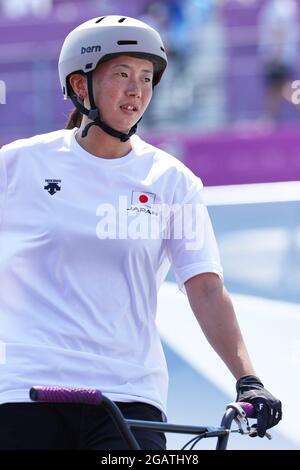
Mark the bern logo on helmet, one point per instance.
(88, 49)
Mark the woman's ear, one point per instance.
(78, 83)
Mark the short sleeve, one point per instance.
(191, 243)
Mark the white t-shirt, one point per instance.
(85, 244)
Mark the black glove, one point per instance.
(268, 409)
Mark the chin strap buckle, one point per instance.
(93, 114)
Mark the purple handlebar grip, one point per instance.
(42, 393)
(248, 408)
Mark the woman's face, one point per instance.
(122, 90)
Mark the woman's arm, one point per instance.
(214, 311)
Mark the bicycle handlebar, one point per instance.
(55, 394)
(89, 396)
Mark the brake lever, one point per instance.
(240, 418)
(243, 423)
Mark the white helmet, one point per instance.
(100, 39)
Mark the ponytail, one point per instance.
(74, 119)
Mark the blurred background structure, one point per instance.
(228, 107)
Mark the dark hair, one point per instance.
(74, 119)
